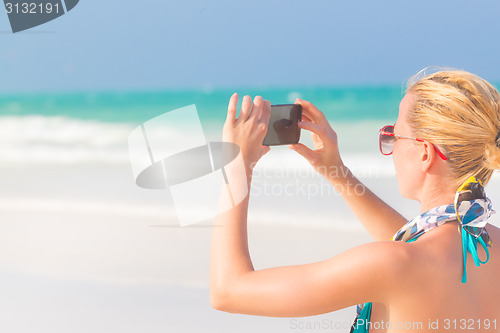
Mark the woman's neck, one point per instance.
(436, 194)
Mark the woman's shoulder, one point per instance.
(494, 250)
(493, 231)
(378, 270)
(440, 251)
(394, 260)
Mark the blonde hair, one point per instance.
(460, 113)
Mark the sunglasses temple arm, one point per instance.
(440, 153)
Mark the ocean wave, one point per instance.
(64, 140)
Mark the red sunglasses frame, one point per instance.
(383, 131)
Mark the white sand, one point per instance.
(129, 277)
(84, 250)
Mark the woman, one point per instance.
(448, 130)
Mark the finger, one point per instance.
(315, 128)
(265, 113)
(311, 111)
(246, 105)
(232, 108)
(305, 118)
(258, 105)
(303, 150)
(318, 143)
(316, 117)
(264, 150)
(320, 137)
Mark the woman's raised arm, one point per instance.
(379, 219)
(365, 273)
(372, 272)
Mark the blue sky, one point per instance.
(158, 44)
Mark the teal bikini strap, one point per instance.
(361, 325)
(469, 244)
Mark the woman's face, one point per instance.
(407, 153)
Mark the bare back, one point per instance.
(431, 297)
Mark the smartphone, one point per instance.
(283, 128)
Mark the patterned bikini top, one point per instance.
(471, 208)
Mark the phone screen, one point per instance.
(283, 128)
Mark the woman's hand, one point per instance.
(249, 129)
(325, 158)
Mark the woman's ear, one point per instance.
(428, 155)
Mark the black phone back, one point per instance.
(283, 128)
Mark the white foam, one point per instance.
(281, 160)
(62, 140)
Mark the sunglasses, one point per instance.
(387, 138)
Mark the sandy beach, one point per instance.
(82, 249)
(128, 277)
(96, 93)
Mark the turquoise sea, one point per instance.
(93, 126)
(89, 130)
(339, 104)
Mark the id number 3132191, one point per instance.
(32, 8)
